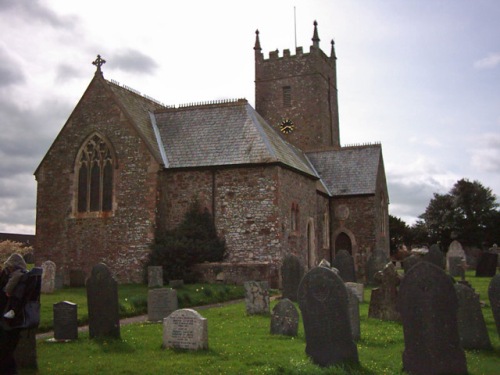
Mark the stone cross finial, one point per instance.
(99, 62)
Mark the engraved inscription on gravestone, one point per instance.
(161, 303)
(65, 321)
(185, 329)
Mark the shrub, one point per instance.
(10, 247)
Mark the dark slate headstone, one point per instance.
(102, 299)
(494, 296)
(291, 274)
(76, 278)
(25, 353)
(456, 267)
(161, 303)
(353, 303)
(285, 318)
(487, 265)
(65, 321)
(428, 305)
(324, 304)
(376, 262)
(471, 325)
(383, 301)
(344, 262)
(436, 256)
(410, 261)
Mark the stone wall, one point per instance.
(238, 273)
(119, 238)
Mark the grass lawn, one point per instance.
(240, 344)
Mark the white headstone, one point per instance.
(185, 329)
(48, 277)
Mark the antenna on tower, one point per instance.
(295, 25)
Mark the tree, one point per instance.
(400, 233)
(466, 213)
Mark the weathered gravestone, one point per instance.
(353, 304)
(102, 300)
(494, 297)
(383, 301)
(456, 267)
(436, 257)
(454, 250)
(358, 289)
(285, 319)
(428, 305)
(25, 353)
(185, 329)
(324, 304)
(410, 261)
(48, 277)
(376, 262)
(257, 297)
(487, 265)
(161, 303)
(155, 276)
(344, 262)
(65, 321)
(471, 325)
(291, 274)
(76, 278)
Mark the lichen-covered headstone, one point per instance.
(185, 329)
(494, 297)
(454, 250)
(155, 276)
(285, 318)
(323, 302)
(161, 303)
(48, 277)
(257, 297)
(428, 305)
(291, 274)
(353, 303)
(471, 324)
(358, 289)
(456, 267)
(344, 262)
(383, 301)
(102, 299)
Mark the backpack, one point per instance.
(28, 290)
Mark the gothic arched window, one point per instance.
(95, 176)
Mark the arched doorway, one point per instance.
(343, 242)
(311, 245)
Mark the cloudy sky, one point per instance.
(420, 76)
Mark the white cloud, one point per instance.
(489, 62)
(485, 155)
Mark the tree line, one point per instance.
(468, 213)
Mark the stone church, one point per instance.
(124, 168)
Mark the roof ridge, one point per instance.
(136, 92)
(205, 105)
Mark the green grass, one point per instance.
(241, 344)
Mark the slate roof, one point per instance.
(230, 133)
(349, 170)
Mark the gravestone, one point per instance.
(353, 303)
(410, 261)
(471, 324)
(48, 277)
(257, 297)
(344, 262)
(76, 278)
(456, 267)
(428, 306)
(454, 250)
(358, 289)
(161, 303)
(102, 300)
(376, 262)
(155, 276)
(59, 281)
(285, 319)
(383, 301)
(65, 321)
(25, 353)
(291, 274)
(323, 302)
(436, 257)
(494, 297)
(185, 329)
(487, 265)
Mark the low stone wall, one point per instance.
(238, 273)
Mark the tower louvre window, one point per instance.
(287, 96)
(95, 176)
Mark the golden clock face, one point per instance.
(287, 126)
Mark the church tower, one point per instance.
(298, 94)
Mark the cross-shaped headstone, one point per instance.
(99, 62)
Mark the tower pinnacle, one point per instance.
(257, 47)
(315, 37)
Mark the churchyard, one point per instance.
(239, 341)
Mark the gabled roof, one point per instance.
(349, 170)
(229, 133)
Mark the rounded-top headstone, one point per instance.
(284, 319)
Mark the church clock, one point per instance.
(287, 126)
